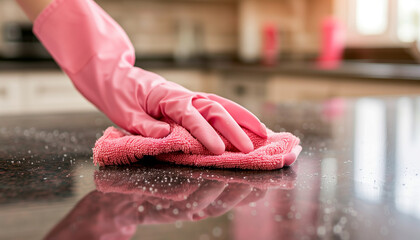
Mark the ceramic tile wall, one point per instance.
(9, 12)
(298, 22)
(153, 26)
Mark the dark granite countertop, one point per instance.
(358, 177)
(348, 69)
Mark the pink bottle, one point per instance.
(333, 43)
(270, 44)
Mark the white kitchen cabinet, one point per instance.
(52, 91)
(11, 96)
(39, 92)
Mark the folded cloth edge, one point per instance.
(118, 147)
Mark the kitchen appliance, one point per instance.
(18, 42)
(189, 43)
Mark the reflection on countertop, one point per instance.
(153, 193)
(357, 178)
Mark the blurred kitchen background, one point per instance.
(251, 51)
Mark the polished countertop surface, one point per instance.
(358, 177)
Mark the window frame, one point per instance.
(345, 10)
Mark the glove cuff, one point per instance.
(74, 31)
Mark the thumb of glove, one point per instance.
(147, 126)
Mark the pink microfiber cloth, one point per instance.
(117, 147)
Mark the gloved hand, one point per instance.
(98, 57)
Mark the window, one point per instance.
(408, 20)
(380, 23)
(371, 16)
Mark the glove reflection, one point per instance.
(161, 193)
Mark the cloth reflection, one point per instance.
(156, 193)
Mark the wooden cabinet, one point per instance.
(281, 88)
(253, 90)
(291, 88)
(367, 87)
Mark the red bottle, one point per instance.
(270, 44)
(333, 43)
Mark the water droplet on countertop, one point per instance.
(178, 224)
(337, 229)
(217, 231)
(175, 211)
(204, 237)
(278, 218)
(321, 231)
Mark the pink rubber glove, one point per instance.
(98, 57)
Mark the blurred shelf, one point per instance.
(348, 69)
(357, 70)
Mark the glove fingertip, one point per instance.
(263, 131)
(216, 147)
(247, 147)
